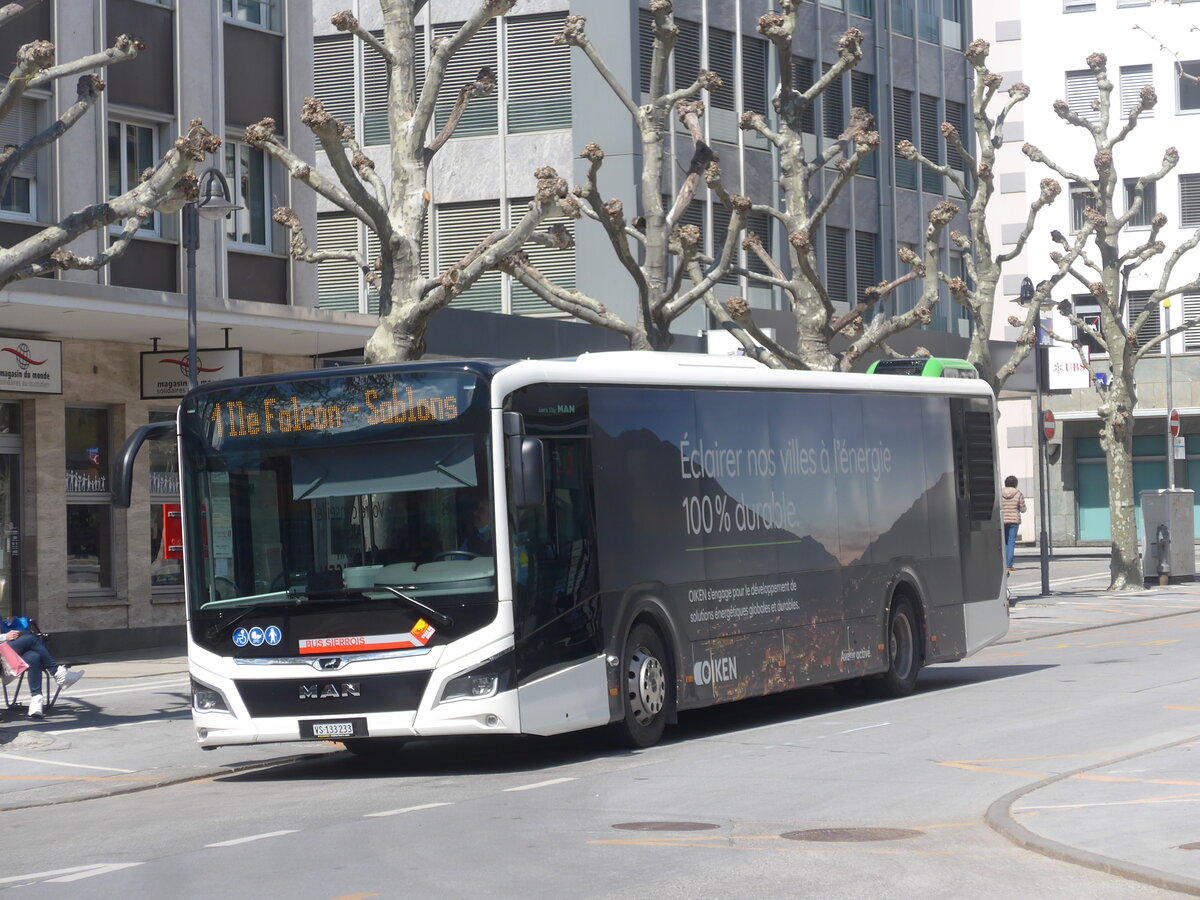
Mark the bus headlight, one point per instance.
(207, 699)
(485, 680)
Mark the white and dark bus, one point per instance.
(384, 553)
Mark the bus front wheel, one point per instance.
(646, 685)
(903, 648)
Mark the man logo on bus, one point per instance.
(715, 670)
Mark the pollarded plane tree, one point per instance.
(809, 188)
(395, 209)
(662, 257)
(975, 182)
(1102, 268)
(163, 188)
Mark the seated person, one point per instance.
(479, 541)
(31, 648)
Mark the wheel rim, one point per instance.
(647, 686)
(901, 646)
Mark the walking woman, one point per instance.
(1012, 504)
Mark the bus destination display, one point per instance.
(312, 407)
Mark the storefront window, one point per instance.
(166, 568)
(89, 508)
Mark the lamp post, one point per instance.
(1025, 299)
(213, 206)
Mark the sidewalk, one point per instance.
(1136, 827)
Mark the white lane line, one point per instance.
(105, 692)
(1099, 576)
(253, 837)
(69, 874)
(55, 762)
(539, 784)
(407, 809)
(863, 728)
(98, 869)
(121, 725)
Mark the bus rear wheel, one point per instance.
(903, 648)
(646, 685)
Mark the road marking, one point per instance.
(55, 762)
(141, 688)
(1184, 708)
(407, 809)
(862, 728)
(253, 837)
(74, 873)
(1158, 643)
(1186, 798)
(122, 724)
(539, 784)
(978, 765)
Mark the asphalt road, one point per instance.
(800, 795)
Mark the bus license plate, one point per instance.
(319, 730)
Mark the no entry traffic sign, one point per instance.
(1174, 423)
(1049, 426)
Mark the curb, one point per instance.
(999, 818)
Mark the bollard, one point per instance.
(1162, 539)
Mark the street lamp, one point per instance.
(213, 206)
(1025, 299)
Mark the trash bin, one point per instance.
(1168, 536)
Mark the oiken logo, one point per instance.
(331, 691)
(715, 670)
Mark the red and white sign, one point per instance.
(418, 637)
(166, 374)
(1173, 421)
(33, 367)
(1049, 426)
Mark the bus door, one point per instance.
(557, 613)
(975, 486)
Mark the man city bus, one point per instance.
(664, 532)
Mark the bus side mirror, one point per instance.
(526, 458)
(123, 477)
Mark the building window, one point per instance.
(930, 143)
(166, 566)
(1077, 6)
(862, 95)
(482, 116)
(902, 116)
(1152, 327)
(833, 108)
(1149, 202)
(755, 90)
(557, 265)
(833, 4)
(20, 194)
(803, 77)
(538, 81)
(1081, 198)
(1189, 201)
(1088, 310)
(866, 262)
(1133, 79)
(952, 19)
(837, 280)
(864, 8)
(1188, 79)
(902, 17)
(256, 13)
(131, 150)
(1083, 94)
(956, 115)
(89, 507)
(249, 179)
(460, 228)
(1191, 313)
(929, 20)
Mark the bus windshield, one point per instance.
(326, 490)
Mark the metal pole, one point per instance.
(191, 243)
(1043, 493)
(1170, 404)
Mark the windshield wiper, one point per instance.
(429, 612)
(215, 630)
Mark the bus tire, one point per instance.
(382, 748)
(645, 682)
(903, 649)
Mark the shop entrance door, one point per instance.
(10, 510)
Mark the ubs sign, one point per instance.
(33, 367)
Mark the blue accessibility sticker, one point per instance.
(256, 636)
(241, 637)
(273, 635)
